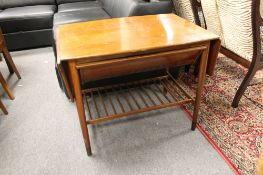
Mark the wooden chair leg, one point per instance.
(242, 88)
(10, 63)
(6, 87)
(3, 108)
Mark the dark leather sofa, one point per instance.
(29, 23)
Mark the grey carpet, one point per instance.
(41, 134)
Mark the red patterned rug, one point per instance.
(237, 134)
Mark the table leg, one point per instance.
(10, 63)
(201, 81)
(2, 106)
(6, 87)
(80, 105)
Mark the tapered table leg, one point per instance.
(2, 106)
(10, 63)
(6, 87)
(80, 104)
(201, 81)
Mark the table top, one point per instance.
(119, 37)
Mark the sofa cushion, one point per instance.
(78, 6)
(19, 3)
(119, 8)
(27, 18)
(28, 39)
(79, 16)
(124, 8)
(152, 8)
(70, 1)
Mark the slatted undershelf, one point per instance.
(121, 100)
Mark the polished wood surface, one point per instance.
(122, 37)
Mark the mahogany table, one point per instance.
(107, 48)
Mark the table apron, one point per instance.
(123, 66)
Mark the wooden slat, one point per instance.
(142, 88)
(169, 90)
(140, 95)
(158, 97)
(167, 98)
(173, 88)
(104, 119)
(132, 96)
(118, 99)
(110, 99)
(95, 104)
(87, 103)
(180, 87)
(103, 103)
(129, 97)
(126, 98)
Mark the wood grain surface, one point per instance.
(121, 37)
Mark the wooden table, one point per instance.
(106, 48)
